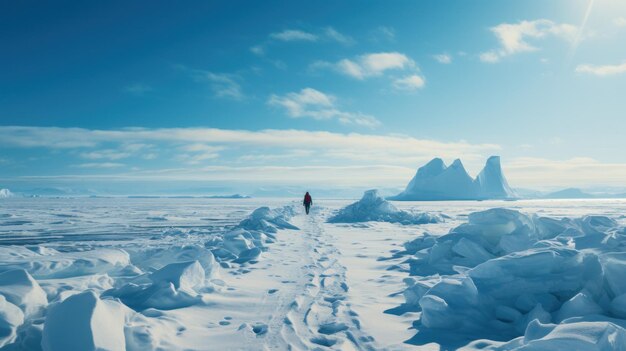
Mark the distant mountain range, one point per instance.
(436, 181)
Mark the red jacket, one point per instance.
(307, 199)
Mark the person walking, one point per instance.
(308, 201)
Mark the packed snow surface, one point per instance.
(436, 181)
(373, 207)
(259, 274)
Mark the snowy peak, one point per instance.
(435, 181)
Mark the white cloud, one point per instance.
(318, 105)
(409, 83)
(294, 35)
(620, 22)
(514, 37)
(333, 34)
(341, 146)
(443, 58)
(99, 165)
(490, 57)
(370, 65)
(602, 71)
(124, 151)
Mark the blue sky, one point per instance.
(300, 92)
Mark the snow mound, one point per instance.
(436, 181)
(171, 287)
(245, 242)
(373, 207)
(20, 289)
(84, 322)
(158, 257)
(267, 220)
(504, 275)
(5, 193)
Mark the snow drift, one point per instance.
(435, 181)
(528, 280)
(373, 207)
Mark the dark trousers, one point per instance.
(307, 207)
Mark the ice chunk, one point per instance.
(614, 266)
(19, 288)
(173, 286)
(592, 336)
(579, 305)
(184, 275)
(84, 322)
(11, 317)
(373, 207)
(5, 193)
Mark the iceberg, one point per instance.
(435, 181)
(5, 193)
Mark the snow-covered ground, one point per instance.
(229, 274)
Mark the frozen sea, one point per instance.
(214, 274)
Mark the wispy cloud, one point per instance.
(297, 35)
(198, 152)
(99, 165)
(137, 89)
(258, 50)
(514, 38)
(409, 83)
(443, 58)
(351, 146)
(333, 34)
(124, 151)
(294, 35)
(383, 33)
(620, 22)
(223, 85)
(603, 70)
(369, 65)
(312, 103)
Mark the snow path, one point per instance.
(294, 298)
(320, 314)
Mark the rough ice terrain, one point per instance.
(373, 207)
(258, 274)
